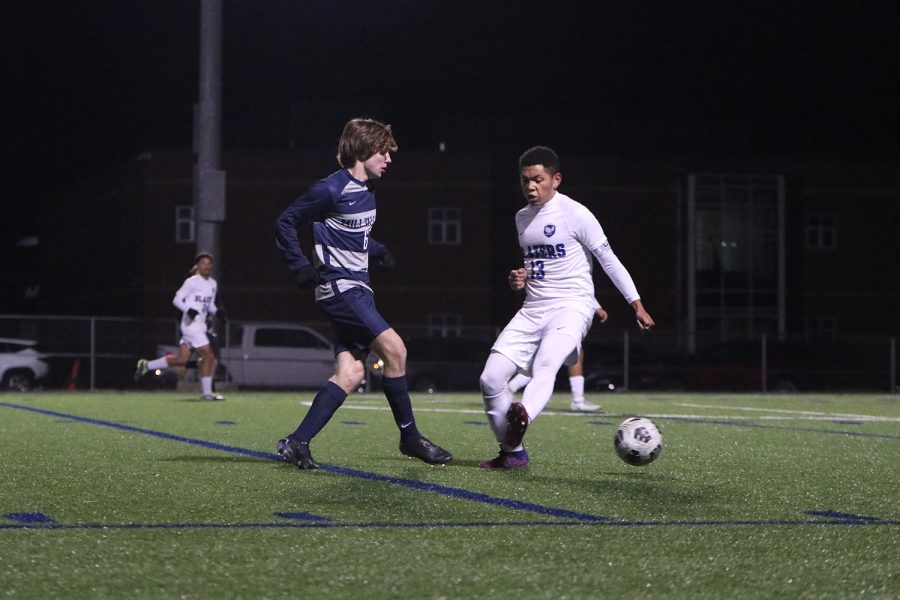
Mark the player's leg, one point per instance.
(494, 379)
(348, 372)
(498, 370)
(576, 385)
(390, 347)
(518, 381)
(550, 356)
(163, 362)
(207, 368)
(563, 331)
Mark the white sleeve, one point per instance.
(589, 232)
(181, 296)
(213, 308)
(617, 272)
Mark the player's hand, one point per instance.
(386, 261)
(307, 277)
(517, 278)
(192, 313)
(644, 320)
(602, 314)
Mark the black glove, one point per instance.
(307, 277)
(386, 261)
(192, 313)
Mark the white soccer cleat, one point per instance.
(583, 406)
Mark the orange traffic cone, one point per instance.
(73, 376)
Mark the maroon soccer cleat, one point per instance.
(517, 423)
(507, 460)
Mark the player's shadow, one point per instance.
(200, 401)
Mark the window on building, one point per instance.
(736, 248)
(444, 226)
(821, 232)
(444, 325)
(184, 224)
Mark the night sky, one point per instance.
(88, 84)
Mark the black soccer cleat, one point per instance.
(424, 449)
(296, 453)
(516, 424)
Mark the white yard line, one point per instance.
(796, 414)
(786, 414)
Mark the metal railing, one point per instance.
(99, 352)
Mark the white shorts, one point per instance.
(521, 337)
(193, 334)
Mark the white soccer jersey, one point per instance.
(558, 239)
(197, 293)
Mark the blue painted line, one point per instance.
(326, 524)
(29, 517)
(226, 422)
(400, 481)
(353, 423)
(150, 432)
(750, 424)
(467, 495)
(301, 516)
(842, 516)
(474, 423)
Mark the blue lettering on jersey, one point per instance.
(545, 251)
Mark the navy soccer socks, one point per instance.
(324, 405)
(397, 392)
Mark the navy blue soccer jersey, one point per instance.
(342, 211)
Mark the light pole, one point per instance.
(209, 178)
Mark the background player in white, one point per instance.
(558, 237)
(196, 299)
(576, 378)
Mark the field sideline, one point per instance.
(159, 495)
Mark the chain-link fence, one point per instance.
(97, 352)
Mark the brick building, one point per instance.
(719, 249)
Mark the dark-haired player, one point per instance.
(196, 299)
(559, 239)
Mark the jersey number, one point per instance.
(537, 269)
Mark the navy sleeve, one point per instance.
(314, 203)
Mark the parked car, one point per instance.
(273, 355)
(21, 366)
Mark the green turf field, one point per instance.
(160, 496)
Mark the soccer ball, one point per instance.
(638, 441)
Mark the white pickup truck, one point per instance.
(273, 355)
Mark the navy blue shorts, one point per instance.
(355, 319)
